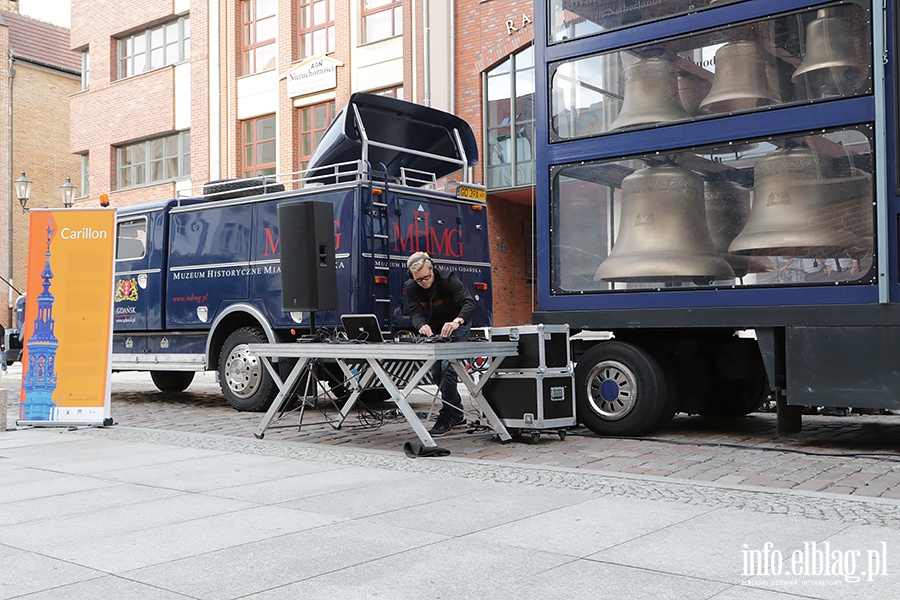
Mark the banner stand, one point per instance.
(67, 347)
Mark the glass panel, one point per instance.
(320, 15)
(809, 56)
(157, 170)
(330, 47)
(140, 174)
(265, 58)
(377, 27)
(265, 128)
(571, 19)
(757, 212)
(266, 8)
(265, 153)
(305, 144)
(156, 149)
(321, 112)
(248, 156)
(171, 168)
(171, 145)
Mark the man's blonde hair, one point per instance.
(415, 262)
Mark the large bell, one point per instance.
(727, 210)
(796, 208)
(741, 81)
(651, 95)
(829, 66)
(663, 234)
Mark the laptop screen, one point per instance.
(363, 328)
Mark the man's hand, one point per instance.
(425, 330)
(448, 328)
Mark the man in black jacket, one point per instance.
(439, 303)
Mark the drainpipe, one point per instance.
(9, 291)
(426, 17)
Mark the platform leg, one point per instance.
(788, 419)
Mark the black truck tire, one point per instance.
(226, 189)
(172, 381)
(245, 382)
(620, 389)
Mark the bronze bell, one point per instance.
(651, 95)
(796, 208)
(662, 233)
(741, 81)
(691, 90)
(727, 210)
(829, 67)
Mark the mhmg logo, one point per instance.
(447, 242)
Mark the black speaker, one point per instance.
(306, 237)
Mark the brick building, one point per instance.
(42, 73)
(182, 92)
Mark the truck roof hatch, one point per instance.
(393, 135)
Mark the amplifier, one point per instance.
(533, 400)
(541, 347)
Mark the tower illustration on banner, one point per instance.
(39, 382)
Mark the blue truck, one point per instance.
(199, 278)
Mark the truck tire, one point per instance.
(245, 382)
(172, 381)
(620, 389)
(226, 189)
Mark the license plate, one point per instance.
(471, 193)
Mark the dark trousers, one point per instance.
(445, 376)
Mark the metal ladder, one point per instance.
(379, 244)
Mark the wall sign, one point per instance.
(314, 74)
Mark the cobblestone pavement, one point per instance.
(852, 456)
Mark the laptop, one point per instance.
(363, 328)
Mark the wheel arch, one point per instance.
(229, 320)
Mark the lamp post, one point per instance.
(23, 190)
(67, 191)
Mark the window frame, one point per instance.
(395, 7)
(127, 57)
(250, 21)
(138, 173)
(258, 169)
(315, 133)
(304, 33)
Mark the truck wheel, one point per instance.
(172, 381)
(620, 390)
(245, 382)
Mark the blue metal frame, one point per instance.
(833, 113)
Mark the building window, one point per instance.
(316, 27)
(314, 120)
(259, 146)
(260, 26)
(85, 176)
(153, 161)
(85, 69)
(381, 19)
(509, 107)
(154, 48)
(391, 92)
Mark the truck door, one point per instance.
(135, 281)
(454, 234)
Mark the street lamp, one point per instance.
(23, 190)
(67, 190)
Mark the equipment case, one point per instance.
(541, 347)
(534, 400)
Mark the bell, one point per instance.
(651, 95)
(796, 208)
(727, 210)
(663, 234)
(691, 90)
(741, 81)
(829, 67)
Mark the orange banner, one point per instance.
(68, 317)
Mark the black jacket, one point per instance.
(446, 299)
